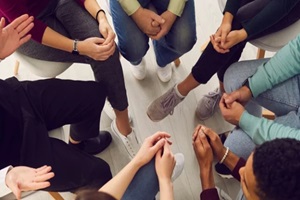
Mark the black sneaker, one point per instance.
(94, 145)
(223, 171)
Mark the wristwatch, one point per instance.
(75, 50)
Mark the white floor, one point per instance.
(141, 93)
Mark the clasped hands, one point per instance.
(225, 38)
(154, 25)
(232, 105)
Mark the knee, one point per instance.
(231, 79)
(134, 48)
(184, 41)
(101, 174)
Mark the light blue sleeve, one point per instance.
(261, 129)
(282, 66)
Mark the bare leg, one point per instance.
(122, 121)
(187, 85)
(221, 84)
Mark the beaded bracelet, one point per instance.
(101, 10)
(225, 155)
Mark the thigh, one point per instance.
(240, 143)
(79, 23)
(132, 42)
(39, 51)
(238, 72)
(144, 184)
(182, 35)
(282, 98)
(63, 102)
(75, 169)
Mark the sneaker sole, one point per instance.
(225, 176)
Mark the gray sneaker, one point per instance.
(207, 105)
(163, 105)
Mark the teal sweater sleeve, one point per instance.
(261, 129)
(282, 66)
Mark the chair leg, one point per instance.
(268, 114)
(56, 195)
(260, 53)
(16, 68)
(177, 62)
(203, 47)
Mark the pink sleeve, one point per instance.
(11, 9)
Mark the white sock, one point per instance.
(177, 92)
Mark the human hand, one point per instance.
(170, 18)
(106, 30)
(216, 42)
(95, 48)
(241, 95)
(144, 19)
(14, 34)
(231, 112)
(215, 142)
(164, 163)
(26, 178)
(222, 32)
(233, 38)
(150, 146)
(202, 149)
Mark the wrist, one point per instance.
(242, 34)
(100, 15)
(207, 179)
(227, 18)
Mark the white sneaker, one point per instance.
(108, 109)
(179, 157)
(164, 73)
(223, 195)
(139, 71)
(131, 143)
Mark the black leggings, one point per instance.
(211, 61)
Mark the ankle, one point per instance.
(180, 91)
(73, 141)
(124, 130)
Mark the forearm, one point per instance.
(166, 189)
(227, 18)
(232, 6)
(231, 160)
(118, 184)
(55, 40)
(207, 178)
(262, 130)
(282, 66)
(93, 7)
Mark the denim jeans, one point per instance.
(144, 184)
(134, 44)
(283, 99)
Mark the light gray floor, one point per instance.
(140, 93)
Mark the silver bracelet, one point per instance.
(225, 155)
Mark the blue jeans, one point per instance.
(144, 185)
(283, 100)
(134, 44)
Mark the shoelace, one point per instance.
(168, 103)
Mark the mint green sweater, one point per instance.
(283, 66)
